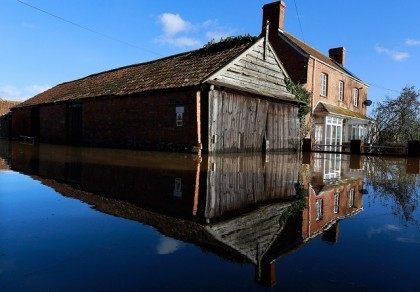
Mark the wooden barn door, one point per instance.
(75, 124)
(236, 122)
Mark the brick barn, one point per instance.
(225, 97)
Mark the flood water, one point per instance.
(96, 219)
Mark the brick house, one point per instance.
(338, 96)
(225, 97)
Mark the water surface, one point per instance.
(97, 219)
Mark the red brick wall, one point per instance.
(147, 121)
(294, 63)
(21, 122)
(53, 124)
(311, 226)
(334, 76)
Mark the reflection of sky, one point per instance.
(386, 228)
(168, 245)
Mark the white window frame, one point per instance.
(332, 166)
(324, 84)
(319, 129)
(336, 202)
(341, 90)
(319, 205)
(352, 191)
(333, 125)
(356, 97)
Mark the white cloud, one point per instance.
(385, 228)
(179, 32)
(173, 23)
(181, 42)
(412, 42)
(394, 55)
(11, 92)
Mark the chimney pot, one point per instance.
(338, 55)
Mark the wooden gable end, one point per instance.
(257, 70)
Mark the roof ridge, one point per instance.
(334, 63)
(309, 45)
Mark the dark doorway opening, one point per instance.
(75, 124)
(35, 124)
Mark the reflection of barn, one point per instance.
(240, 207)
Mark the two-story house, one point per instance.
(339, 97)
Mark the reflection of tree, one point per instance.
(389, 180)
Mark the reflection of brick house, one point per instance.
(338, 95)
(335, 191)
(325, 207)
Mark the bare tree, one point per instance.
(397, 120)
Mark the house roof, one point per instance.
(5, 106)
(336, 110)
(177, 71)
(308, 50)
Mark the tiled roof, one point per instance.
(317, 54)
(341, 111)
(178, 71)
(5, 106)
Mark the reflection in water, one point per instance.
(168, 245)
(396, 179)
(245, 208)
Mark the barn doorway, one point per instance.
(35, 123)
(75, 124)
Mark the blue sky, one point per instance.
(382, 38)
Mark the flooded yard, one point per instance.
(98, 219)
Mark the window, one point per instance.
(333, 130)
(351, 198)
(336, 202)
(178, 188)
(341, 90)
(357, 132)
(179, 116)
(319, 211)
(355, 97)
(324, 84)
(332, 166)
(318, 133)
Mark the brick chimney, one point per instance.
(338, 55)
(274, 13)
